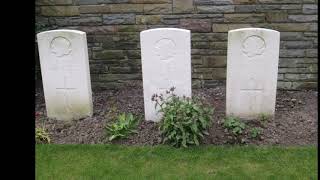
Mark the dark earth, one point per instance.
(295, 121)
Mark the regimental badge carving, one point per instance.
(165, 49)
(253, 46)
(60, 46)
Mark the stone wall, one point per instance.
(113, 28)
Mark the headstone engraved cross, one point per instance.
(65, 74)
(252, 70)
(66, 91)
(166, 63)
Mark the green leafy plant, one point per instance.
(255, 132)
(263, 117)
(42, 137)
(184, 121)
(234, 125)
(122, 127)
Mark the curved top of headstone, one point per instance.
(165, 29)
(61, 31)
(252, 29)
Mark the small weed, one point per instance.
(42, 137)
(263, 117)
(124, 125)
(255, 132)
(234, 125)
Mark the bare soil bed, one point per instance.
(295, 121)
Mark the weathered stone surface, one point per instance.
(310, 1)
(200, 45)
(218, 45)
(166, 63)
(303, 18)
(98, 68)
(202, 76)
(292, 53)
(291, 6)
(310, 8)
(291, 36)
(111, 1)
(196, 25)
(115, 77)
(284, 85)
(304, 85)
(245, 8)
(112, 8)
(97, 30)
(148, 19)
(212, 73)
(212, 2)
(157, 8)
(170, 21)
(87, 2)
(280, 77)
(310, 34)
(307, 70)
(130, 28)
(292, 27)
(245, 18)
(119, 19)
(53, 2)
(300, 77)
(85, 9)
(133, 1)
(276, 16)
(252, 60)
(60, 11)
(42, 20)
(209, 36)
(183, 6)
(120, 69)
(65, 74)
(77, 21)
(208, 52)
(108, 54)
(216, 9)
(133, 54)
(295, 19)
(280, 1)
(153, 1)
(296, 44)
(124, 45)
(311, 53)
(244, 1)
(268, 8)
(214, 61)
(227, 27)
(296, 62)
(126, 8)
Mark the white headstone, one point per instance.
(166, 63)
(65, 74)
(252, 71)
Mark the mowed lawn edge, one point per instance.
(164, 162)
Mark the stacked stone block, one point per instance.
(113, 28)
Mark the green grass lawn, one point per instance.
(162, 162)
